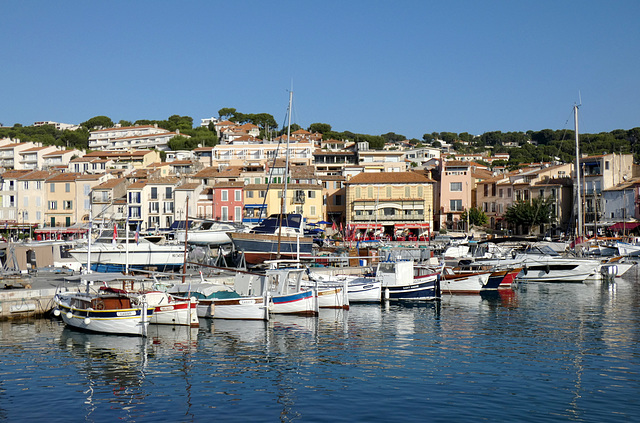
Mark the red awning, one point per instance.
(423, 225)
(60, 231)
(367, 226)
(624, 226)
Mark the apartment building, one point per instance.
(305, 199)
(60, 191)
(390, 203)
(132, 138)
(33, 158)
(227, 201)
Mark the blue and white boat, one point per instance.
(288, 296)
(399, 281)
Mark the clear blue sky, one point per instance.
(372, 67)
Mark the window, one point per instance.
(606, 165)
(167, 193)
(38, 201)
(238, 195)
(486, 190)
(38, 216)
(87, 189)
(493, 190)
(237, 213)
(500, 193)
(455, 205)
(67, 187)
(509, 192)
(53, 205)
(154, 207)
(25, 201)
(370, 192)
(312, 210)
(407, 192)
(52, 187)
(457, 187)
(263, 194)
(38, 185)
(337, 200)
(249, 194)
(25, 184)
(420, 191)
(224, 195)
(311, 194)
(358, 192)
(388, 211)
(168, 207)
(67, 205)
(225, 213)
(154, 193)
(388, 192)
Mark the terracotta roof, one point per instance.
(208, 172)
(232, 184)
(389, 178)
(64, 177)
(188, 186)
(37, 174)
(111, 183)
(138, 185)
(14, 174)
(28, 150)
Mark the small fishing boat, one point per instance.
(288, 296)
(171, 310)
(468, 282)
(399, 282)
(360, 289)
(106, 312)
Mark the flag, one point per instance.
(340, 226)
(137, 235)
(115, 233)
(334, 227)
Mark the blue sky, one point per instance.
(409, 67)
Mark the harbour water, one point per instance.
(543, 352)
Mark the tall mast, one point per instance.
(283, 202)
(579, 194)
(286, 164)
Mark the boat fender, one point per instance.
(87, 320)
(547, 269)
(69, 315)
(56, 312)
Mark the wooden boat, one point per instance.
(399, 282)
(172, 310)
(110, 312)
(288, 296)
(360, 289)
(468, 282)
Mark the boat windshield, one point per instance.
(270, 224)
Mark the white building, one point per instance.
(132, 137)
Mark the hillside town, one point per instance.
(402, 192)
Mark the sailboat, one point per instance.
(280, 236)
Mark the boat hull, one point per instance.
(422, 288)
(243, 308)
(333, 298)
(114, 259)
(303, 303)
(260, 247)
(130, 321)
(467, 283)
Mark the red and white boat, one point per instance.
(171, 310)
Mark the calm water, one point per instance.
(543, 353)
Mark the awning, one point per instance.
(60, 230)
(367, 226)
(417, 225)
(622, 226)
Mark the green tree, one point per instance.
(322, 128)
(226, 112)
(526, 214)
(428, 138)
(98, 122)
(476, 217)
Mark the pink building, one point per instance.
(456, 187)
(228, 200)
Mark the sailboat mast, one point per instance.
(286, 164)
(283, 202)
(577, 170)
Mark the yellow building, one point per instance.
(60, 192)
(394, 203)
(305, 199)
